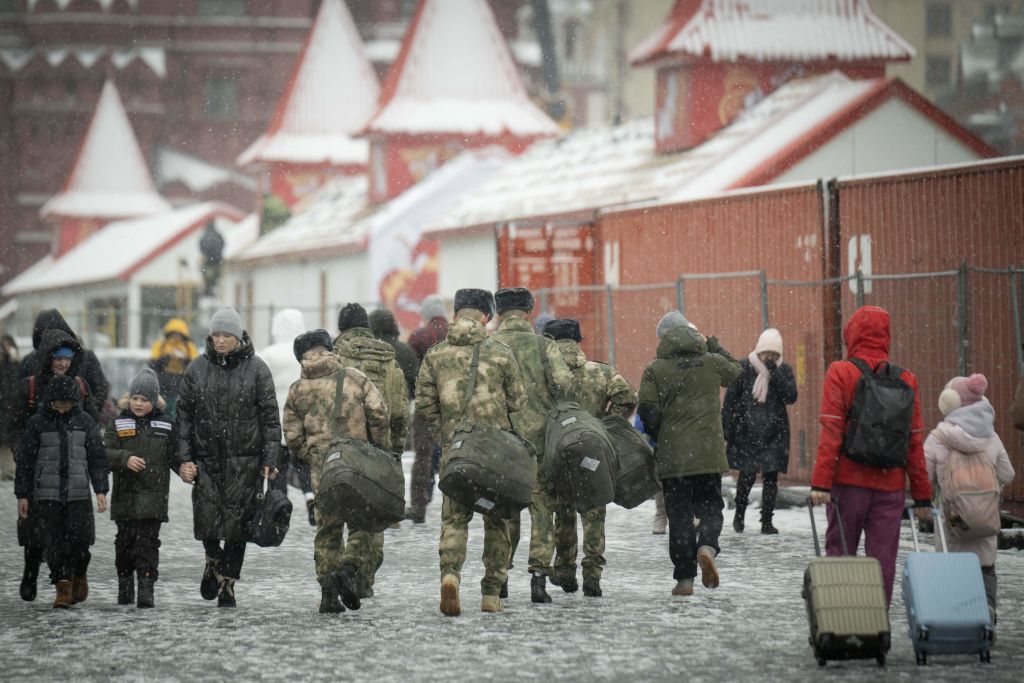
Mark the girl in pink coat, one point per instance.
(967, 429)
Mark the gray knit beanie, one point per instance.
(432, 307)
(226, 320)
(670, 321)
(146, 384)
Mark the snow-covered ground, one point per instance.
(752, 628)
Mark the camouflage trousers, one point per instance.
(455, 535)
(566, 542)
(542, 538)
(365, 550)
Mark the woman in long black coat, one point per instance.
(229, 437)
(756, 425)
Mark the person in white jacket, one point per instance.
(287, 324)
(967, 430)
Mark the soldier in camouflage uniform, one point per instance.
(599, 390)
(499, 391)
(553, 383)
(357, 348)
(308, 432)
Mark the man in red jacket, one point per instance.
(871, 498)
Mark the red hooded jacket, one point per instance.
(867, 337)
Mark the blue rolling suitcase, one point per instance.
(947, 612)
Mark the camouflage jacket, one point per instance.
(444, 374)
(357, 348)
(310, 404)
(546, 390)
(597, 387)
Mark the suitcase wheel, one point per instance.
(922, 657)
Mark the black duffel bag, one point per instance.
(633, 466)
(488, 469)
(273, 514)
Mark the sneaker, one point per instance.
(768, 528)
(491, 603)
(592, 588)
(684, 588)
(450, 596)
(211, 580)
(708, 570)
(226, 593)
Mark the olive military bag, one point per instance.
(633, 465)
(578, 456)
(360, 483)
(488, 469)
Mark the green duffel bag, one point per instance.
(578, 457)
(633, 469)
(360, 483)
(488, 469)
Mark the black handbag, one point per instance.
(273, 514)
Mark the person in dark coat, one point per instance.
(229, 436)
(89, 370)
(9, 362)
(428, 453)
(60, 455)
(756, 425)
(211, 246)
(385, 328)
(142, 451)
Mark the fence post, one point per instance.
(860, 288)
(610, 306)
(963, 315)
(764, 300)
(681, 294)
(1016, 284)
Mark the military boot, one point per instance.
(330, 602)
(226, 593)
(503, 593)
(568, 584)
(592, 588)
(80, 589)
(450, 605)
(491, 603)
(63, 599)
(28, 580)
(345, 581)
(538, 589)
(211, 580)
(125, 588)
(147, 582)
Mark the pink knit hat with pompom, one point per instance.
(962, 391)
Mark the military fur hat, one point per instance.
(566, 328)
(477, 299)
(513, 299)
(352, 315)
(310, 340)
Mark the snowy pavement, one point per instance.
(752, 627)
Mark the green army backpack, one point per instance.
(633, 467)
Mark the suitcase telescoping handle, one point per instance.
(937, 518)
(839, 521)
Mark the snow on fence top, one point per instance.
(332, 94)
(790, 30)
(455, 75)
(110, 178)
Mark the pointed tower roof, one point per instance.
(455, 74)
(785, 30)
(110, 178)
(332, 94)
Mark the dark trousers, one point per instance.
(769, 492)
(68, 530)
(137, 546)
(685, 498)
(422, 483)
(229, 558)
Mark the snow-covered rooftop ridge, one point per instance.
(606, 166)
(792, 30)
(194, 173)
(115, 250)
(244, 233)
(332, 95)
(110, 178)
(155, 58)
(455, 74)
(105, 5)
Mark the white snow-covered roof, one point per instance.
(600, 167)
(63, 4)
(155, 58)
(325, 219)
(332, 95)
(790, 30)
(117, 249)
(455, 75)
(194, 173)
(244, 233)
(110, 178)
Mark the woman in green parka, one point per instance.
(141, 450)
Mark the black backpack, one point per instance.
(878, 429)
(273, 514)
